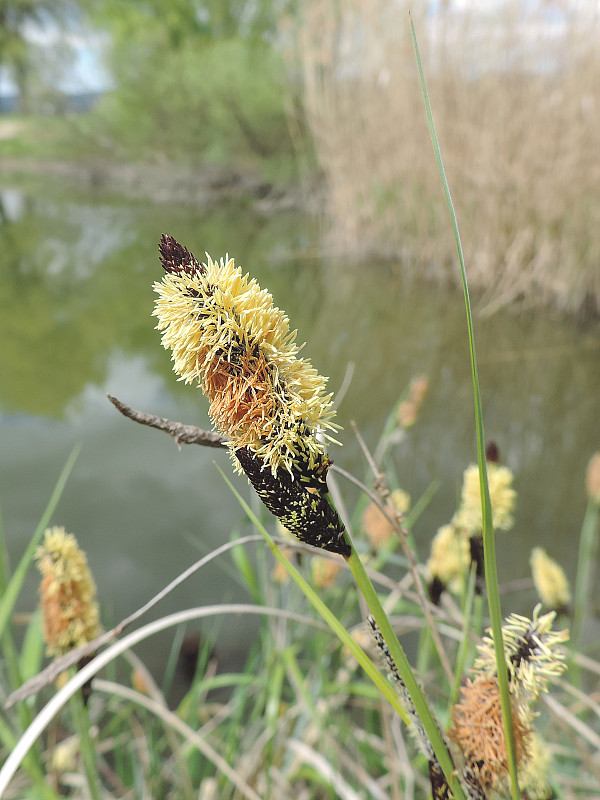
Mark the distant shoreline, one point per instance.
(168, 183)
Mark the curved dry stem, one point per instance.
(171, 720)
(45, 716)
(53, 670)
(183, 434)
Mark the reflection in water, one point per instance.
(76, 276)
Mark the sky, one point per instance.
(72, 60)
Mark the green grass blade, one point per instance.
(586, 563)
(489, 546)
(32, 650)
(15, 583)
(4, 561)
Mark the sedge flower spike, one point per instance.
(70, 614)
(227, 336)
(533, 654)
(550, 580)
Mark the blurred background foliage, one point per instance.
(202, 82)
(324, 94)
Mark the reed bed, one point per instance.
(517, 114)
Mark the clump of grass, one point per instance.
(303, 718)
(517, 125)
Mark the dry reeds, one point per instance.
(517, 113)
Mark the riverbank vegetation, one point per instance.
(328, 96)
(515, 105)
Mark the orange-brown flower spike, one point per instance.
(226, 335)
(478, 731)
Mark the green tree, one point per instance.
(197, 81)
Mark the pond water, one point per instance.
(75, 308)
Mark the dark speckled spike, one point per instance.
(306, 514)
(439, 786)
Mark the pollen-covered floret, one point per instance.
(533, 654)
(449, 558)
(550, 580)
(469, 516)
(68, 593)
(226, 334)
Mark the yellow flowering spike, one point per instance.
(69, 608)
(532, 652)
(408, 410)
(226, 335)
(550, 580)
(469, 516)
(449, 558)
(533, 775)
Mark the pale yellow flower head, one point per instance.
(449, 558)
(469, 516)
(64, 755)
(408, 410)
(550, 580)
(533, 773)
(227, 336)
(68, 593)
(533, 655)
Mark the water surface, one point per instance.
(76, 274)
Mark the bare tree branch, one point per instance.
(183, 434)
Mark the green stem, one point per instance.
(396, 651)
(30, 763)
(383, 685)
(81, 722)
(586, 561)
(464, 647)
(489, 546)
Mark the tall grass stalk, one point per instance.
(465, 641)
(586, 564)
(320, 606)
(489, 545)
(81, 721)
(398, 655)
